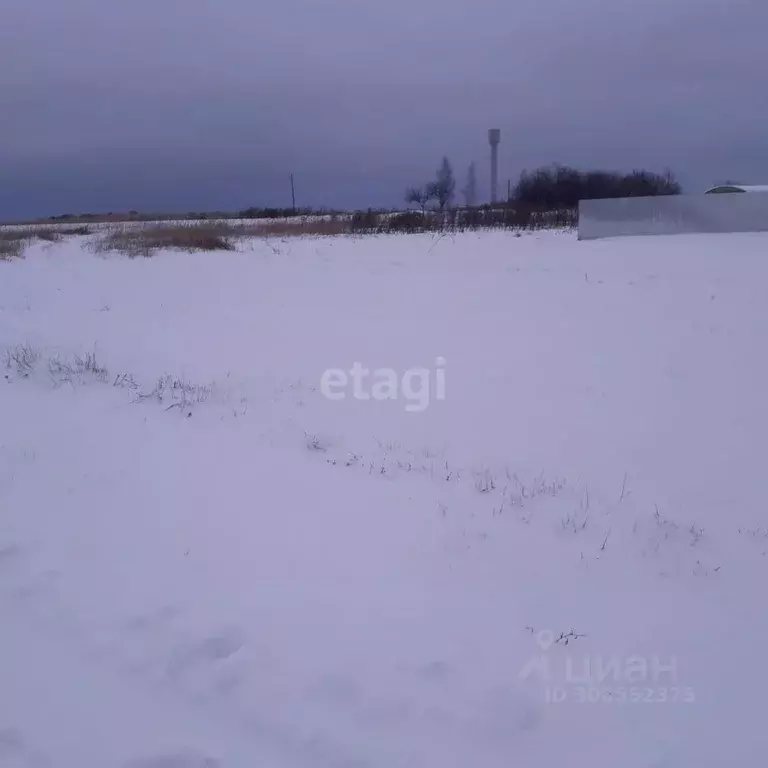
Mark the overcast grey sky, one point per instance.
(205, 104)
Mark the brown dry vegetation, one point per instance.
(14, 241)
(10, 247)
(292, 227)
(145, 240)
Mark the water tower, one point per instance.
(494, 137)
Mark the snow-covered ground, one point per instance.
(106, 226)
(558, 559)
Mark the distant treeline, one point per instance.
(283, 213)
(247, 213)
(562, 187)
(548, 194)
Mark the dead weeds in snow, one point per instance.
(12, 243)
(145, 241)
(21, 358)
(13, 240)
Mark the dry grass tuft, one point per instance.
(72, 231)
(48, 235)
(144, 241)
(10, 249)
(302, 226)
(12, 243)
(14, 240)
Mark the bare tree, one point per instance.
(419, 196)
(470, 188)
(443, 187)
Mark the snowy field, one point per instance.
(108, 226)
(553, 553)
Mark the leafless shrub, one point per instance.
(539, 486)
(572, 522)
(701, 569)
(485, 481)
(180, 392)
(566, 638)
(76, 369)
(659, 531)
(665, 525)
(60, 371)
(624, 491)
(544, 487)
(173, 391)
(315, 443)
(89, 364)
(697, 534)
(125, 380)
(22, 358)
(451, 473)
(755, 533)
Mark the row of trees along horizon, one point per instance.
(546, 188)
(555, 189)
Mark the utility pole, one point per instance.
(494, 137)
(293, 194)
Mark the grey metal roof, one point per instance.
(739, 188)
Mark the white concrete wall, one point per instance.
(673, 214)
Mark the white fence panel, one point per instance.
(673, 214)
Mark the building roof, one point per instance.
(738, 188)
